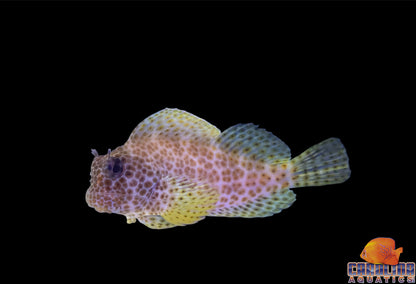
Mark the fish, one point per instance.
(381, 251)
(175, 169)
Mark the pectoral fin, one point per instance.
(155, 222)
(189, 201)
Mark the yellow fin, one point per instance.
(174, 124)
(253, 142)
(189, 202)
(155, 222)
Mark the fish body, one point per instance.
(176, 168)
(381, 251)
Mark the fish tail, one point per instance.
(398, 251)
(322, 164)
(393, 257)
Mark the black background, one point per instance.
(304, 79)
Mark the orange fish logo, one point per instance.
(381, 251)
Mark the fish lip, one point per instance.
(100, 209)
(106, 209)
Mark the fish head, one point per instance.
(114, 184)
(364, 255)
(369, 251)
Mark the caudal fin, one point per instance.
(398, 252)
(393, 258)
(322, 164)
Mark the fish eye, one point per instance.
(117, 168)
(114, 167)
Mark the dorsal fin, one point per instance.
(253, 142)
(174, 124)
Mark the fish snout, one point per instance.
(89, 198)
(102, 202)
(364, 255)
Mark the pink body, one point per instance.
(176, 168)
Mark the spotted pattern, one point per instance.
(177, 168)
(256, 143)
(155, 222)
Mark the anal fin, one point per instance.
(261, 206)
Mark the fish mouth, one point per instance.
(106, 209)
(100, 209)
(107, 206)
(89, 197)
